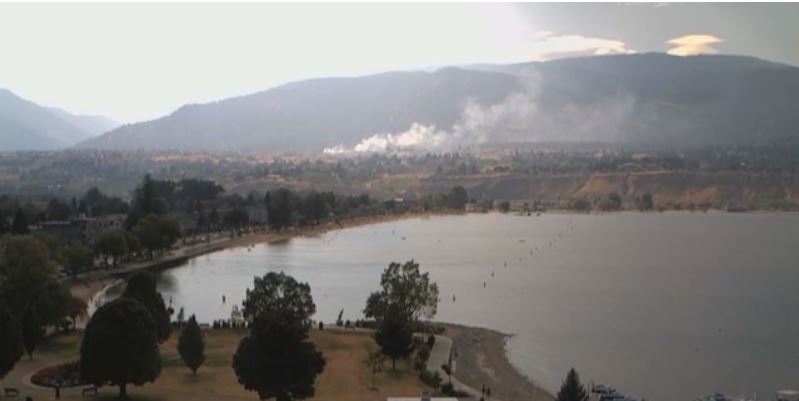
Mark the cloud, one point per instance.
(549, 45)
(690, 45)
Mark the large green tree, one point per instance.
(142, 287)
(111, 244)
(394, 335)
(457, 198)
(77, 258)
(20, 224)
(27, 279)
(75, 307)
(120, 346)
(32, 331)
(280, 207)
(279, 293)
(572, 389)
(191, 345)
(10, 341)
(407, 289)
(156, 233)
(276, 359)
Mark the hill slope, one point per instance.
(648, 100)
(25, 125)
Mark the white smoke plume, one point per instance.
(518, 118)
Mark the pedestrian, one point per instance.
(488, 392)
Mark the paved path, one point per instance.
(440, 355)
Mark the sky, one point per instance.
(135, 62)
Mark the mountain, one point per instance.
(647, 100)
(24, 125)
(90, 125)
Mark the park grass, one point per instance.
(346, 376)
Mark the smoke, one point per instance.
(523, 116)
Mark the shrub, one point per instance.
(64, 375)
(432, 379)
(447, 389)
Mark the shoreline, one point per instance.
(482, 359)
(89, 285)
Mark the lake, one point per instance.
(666, 306)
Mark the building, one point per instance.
(94, 227)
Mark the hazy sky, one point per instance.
(137, 62)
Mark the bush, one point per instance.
(432, 379)
(447, 389)
(422, 355)
(64, 375)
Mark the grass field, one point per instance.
(346, 376)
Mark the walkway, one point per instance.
(440, 355)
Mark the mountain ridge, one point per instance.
(25, 125)
(649, 100)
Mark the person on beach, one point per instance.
(223, 298)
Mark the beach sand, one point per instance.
(482, 360)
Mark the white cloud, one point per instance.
(690, 45)
(549, 45)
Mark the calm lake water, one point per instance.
(665, 306)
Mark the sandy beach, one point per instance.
(482, 360)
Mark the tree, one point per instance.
(614, 201)
(394, 334)
(27, 279)
(504, 206)
(142, 287)
(3, 223)
(10, 341)
(407, 289)
(280, 207)
(111, 244)
(279, 293)
(276, 359)
(75, 308)
(120, 346)
(157, 232)
(20, 224)
(191, 345)
(646, 202)
(32, 331)
(58, 210)
(236, 218)
(77, 258)
(457, 198)
(572, 389)
(581, 205)
(374, 361)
